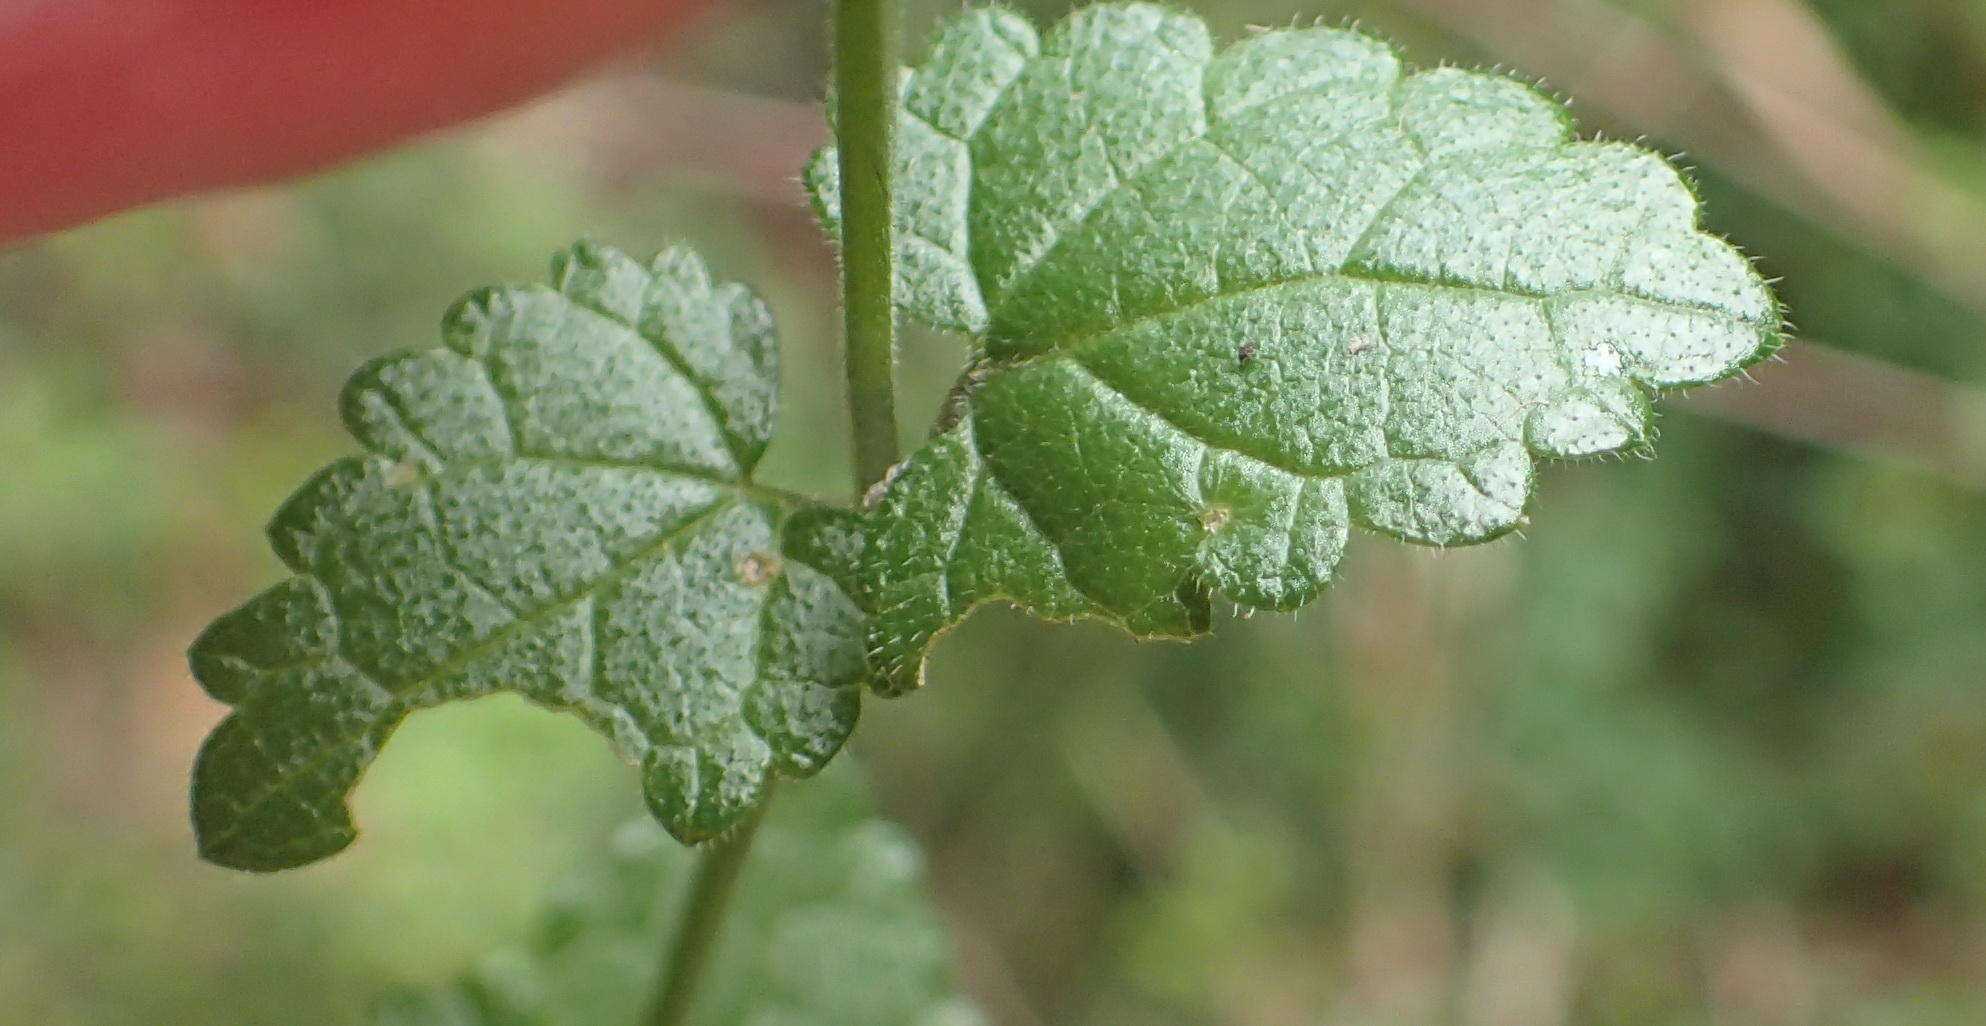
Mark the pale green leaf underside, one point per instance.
(557, 502)
(833, 929)
(1230, 304)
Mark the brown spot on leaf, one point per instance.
(758, 568)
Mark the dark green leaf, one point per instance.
(1229, 305)
(557, 502)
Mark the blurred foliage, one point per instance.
(831, 927)
(1708, 746)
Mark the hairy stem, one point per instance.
(702, 919)
(865, 62)
(865, 69)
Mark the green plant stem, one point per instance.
(865, 70)
(865, 61)
(702, 920)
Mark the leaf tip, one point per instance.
(466, 326)
(241, 821)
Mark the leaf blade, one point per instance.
(556, 502)
(1229, 304)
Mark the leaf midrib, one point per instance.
(403, 693)
(1347, 270)
(1058, 345)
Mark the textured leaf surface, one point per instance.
(832, 929)
(1229, 305)
(556, 502)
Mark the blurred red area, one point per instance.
(106, 104)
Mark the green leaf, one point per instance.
(1229, 305)
(832, 928)
(556, 502)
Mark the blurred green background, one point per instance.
(1709, 746)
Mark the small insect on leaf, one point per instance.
(1246, 352)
